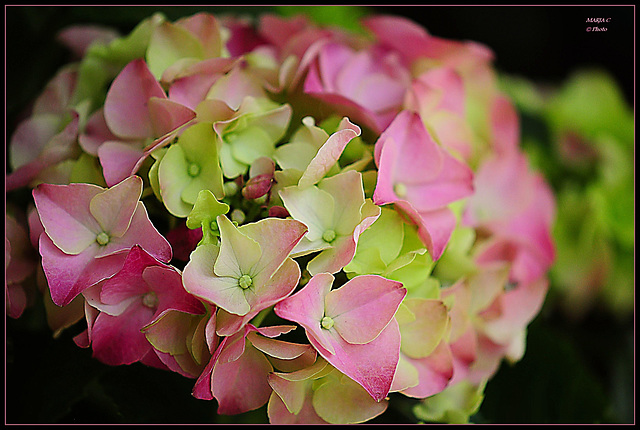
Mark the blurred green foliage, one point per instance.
(575, 370)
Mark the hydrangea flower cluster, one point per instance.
(291, 215)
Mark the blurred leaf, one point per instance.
(345, 17)
(523, 92)
(591, 103)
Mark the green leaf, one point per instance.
(345, 17)
(205, 211)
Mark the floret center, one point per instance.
(327, 323)
(329, 236)
(194, 170)
(245, 281)
(102, 238)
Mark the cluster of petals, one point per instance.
(19, 264)
(421, 178)
(88, 231)
(333, 227)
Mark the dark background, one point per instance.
(543, 43)
(573, 371)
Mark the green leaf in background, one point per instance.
(590, 103)
(571, 373)
(345, 17)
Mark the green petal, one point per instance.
(366, 261)
(205, 209)
(170, 43)
(386, 235)
(230, 166)
(295, 155)
(421, 336)
(251, 144)
(342, 401)
(348, 194)
(239, 254)
(311, 206)
(173, 178)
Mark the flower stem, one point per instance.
(257, 320)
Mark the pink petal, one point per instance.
(142, 232)
(57, 95)
(306, 307)
(519, 307)
(16, 300)
(454, 183)
(92, 297)
(272, 331)
(363, 307)
(128, 282)
(505, 125)
(440, 88)
(241, 385)
(78, 38)
(277, 238)
(278, 348)
(65, 214)
(166, 282)
(68, 275)
(243, 36)
(125, 108)
(118, 340)
(189, 91)
(233, 87)
(20, 259)
(372, 365)
(465, 353)
(380, 93)
(58, 148)
(413, 156)
(118, 160)
(167, 115)
(434, 227)
(401, 34)
(329, 153)
(504, 188)
(435, 372)
(279, 30)
(95, 133)
(152, 359)
(113, 208)
(202, 387)
(279, 414)
(83, 340)
(30, 138)
(333, 258)
(435, 230)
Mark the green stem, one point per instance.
(146, 193)
(257, 320)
